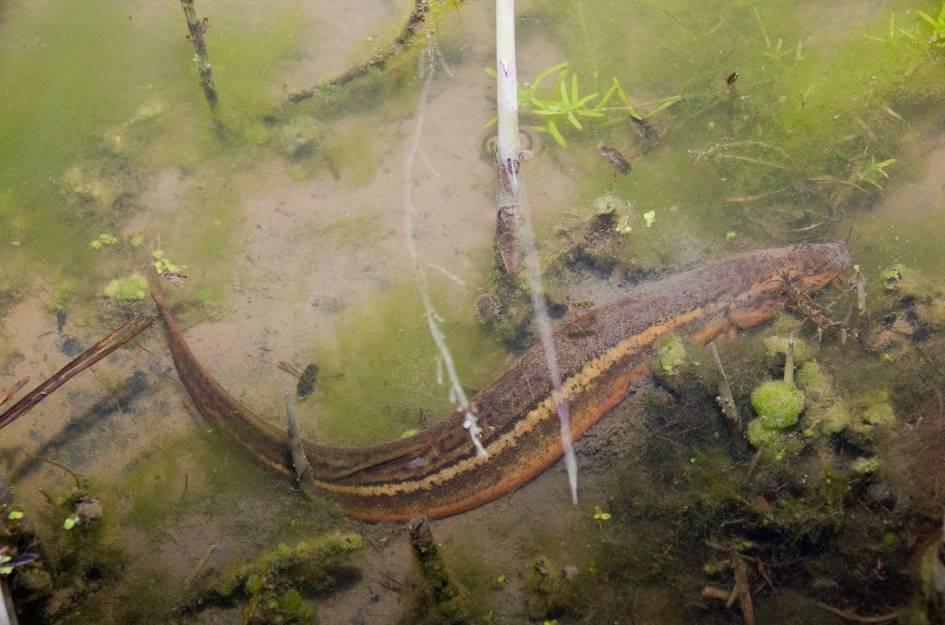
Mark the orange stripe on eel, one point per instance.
(437, 472)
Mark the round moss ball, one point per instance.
(779, 404)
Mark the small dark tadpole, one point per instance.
(732, 78)
(307, 380)
(617, 160)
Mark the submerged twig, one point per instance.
(86, 359)
(747, 199)
(740, 592)
(299, 461)
(75, 476)
(856, 618)
(376, 62)
(789, 361)
(859, 283)
(726, 400)
(13, 390)
(432, 568)
(826, 179)
(200, 565)
(742, 589)
(197, 29)
(754, 161)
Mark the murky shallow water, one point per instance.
(288, 218)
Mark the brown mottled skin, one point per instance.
(437, 473)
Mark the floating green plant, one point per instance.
(600, 515)
(130, 289)
(937, 24)
(776, 51)
(163, 265)
(102, 240)
(564, 101)
(875, 172)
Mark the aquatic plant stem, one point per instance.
(197, 29)
(81, 362)
(378, 60)
(433, 569)
(13, 390)
(726, 401)
(303, 470)
(789, 361)
(507, 142)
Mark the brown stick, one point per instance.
(432, 568)
(75, 476)
(743, 589)
(197, 29)
(856, 618)
(378, 61)
(13, 390)
(714, 592)
(81, 362)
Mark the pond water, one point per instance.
(746, 125)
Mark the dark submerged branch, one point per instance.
(86, 359)
(376, 62)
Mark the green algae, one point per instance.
(272, 585)
(131, 289)
(388, 363)
(778, 404)
(777, 345)
(44, 135)
(351, 152)
(671, 354)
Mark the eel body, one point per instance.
(437, 471)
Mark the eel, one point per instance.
(437, 472)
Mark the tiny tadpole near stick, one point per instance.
(617, 160)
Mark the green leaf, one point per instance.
(608, 94)
(15, 515)
(926, 17)
(548, 72)
(668, 102)
(580, 103)
(563, 88)
(556, 134)
(574, 121)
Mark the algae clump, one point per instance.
(777, 345)
(778, 404)
(671, 354)
(131, 289)
(880, 414)
(102, 240)
(763, 437)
